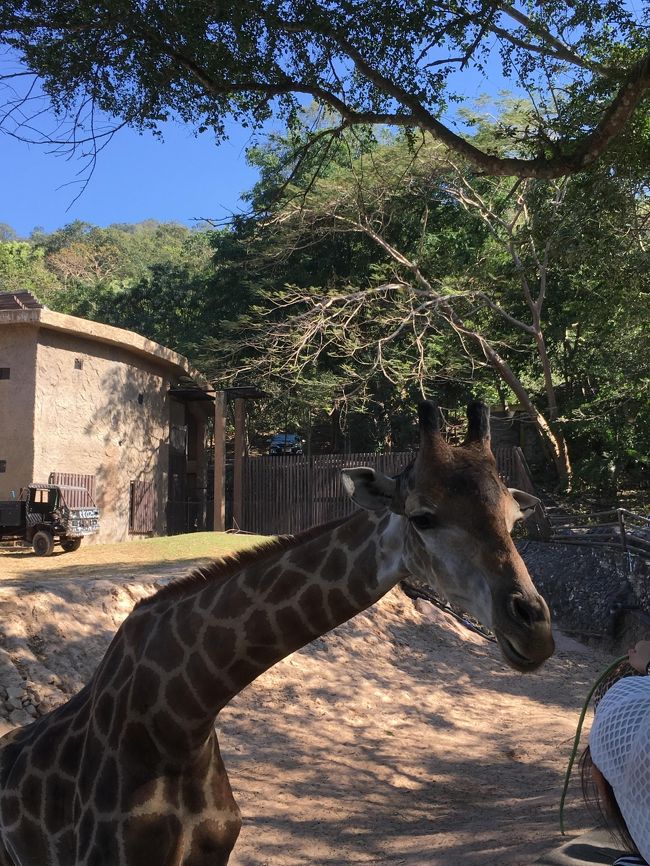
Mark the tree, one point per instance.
(586, 65)
(84, 262)
(470, 273)
(23, 267)
(158, 279)
(153, 278)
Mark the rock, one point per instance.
(40, 674)
(50, 703)
(15, 692)
(31, 709)
(50, 693)
(14, 703)
(32, 690)
(3, 694)
(9, 675)
(20, 717)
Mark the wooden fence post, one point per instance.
(238, 466)
(621, 528)
(219, 461)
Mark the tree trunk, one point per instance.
(552, 438)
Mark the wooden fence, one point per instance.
(288, 494)
(513, 468)
(618, 528)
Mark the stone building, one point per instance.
(82, 402)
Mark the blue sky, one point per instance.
(137, 177)
(182, 178)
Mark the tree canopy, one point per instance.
(400, 271)
(155, 278)
(585, 65)
(375, 267)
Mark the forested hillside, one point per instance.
(376, 268)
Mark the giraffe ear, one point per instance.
(368, 488)
(525, 501)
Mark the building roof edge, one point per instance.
(107, 334)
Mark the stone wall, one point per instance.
(18, 355)
(89, 399)
(598, 595)
(102, 411)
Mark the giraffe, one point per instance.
(129, 772)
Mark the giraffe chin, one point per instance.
(514, 658)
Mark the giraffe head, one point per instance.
(457, 515)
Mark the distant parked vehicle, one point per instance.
(44, 515)
(286, 443)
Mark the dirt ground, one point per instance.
(398, 738)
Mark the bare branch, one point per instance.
(561, 50)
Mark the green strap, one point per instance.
(576, 741)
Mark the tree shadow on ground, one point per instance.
(335, 780)
(116, 571)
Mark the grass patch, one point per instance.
(194, 547)
(173, 548)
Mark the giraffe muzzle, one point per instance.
(524, 632)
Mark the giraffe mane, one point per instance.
(220, 569)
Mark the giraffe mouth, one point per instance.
(515, 659)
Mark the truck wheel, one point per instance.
(43, 543)
(70, 544)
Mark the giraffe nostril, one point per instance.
(522, 611)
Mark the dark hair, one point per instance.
(602, 803)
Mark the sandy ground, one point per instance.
(398, 738)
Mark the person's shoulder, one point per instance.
(628, 687)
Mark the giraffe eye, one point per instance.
(424, 520)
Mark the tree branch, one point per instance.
(561, 51)
(584, 151)
(555, 158)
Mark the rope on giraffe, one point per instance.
(576, 741)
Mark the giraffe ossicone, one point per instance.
(128, 771)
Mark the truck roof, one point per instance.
(36, 485)
(74, 496)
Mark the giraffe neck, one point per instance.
(210, 639)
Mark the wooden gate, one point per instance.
(142, 508)
(513, 468)
(291, 493)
